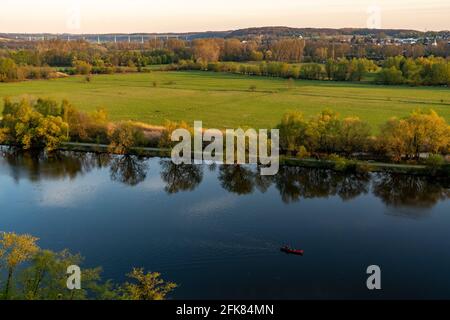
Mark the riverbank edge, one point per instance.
(366, 166)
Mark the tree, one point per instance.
(77, 121)
(146, 286)
(233, 50)
(330, 68)
(51, 131)
(358, 68)
(422, 131)
(24, 126)
(393, 138)
(82, 67)
(411, 72)
(288, 50)
(14, 250)
(323, 131)
(390, 75)
(256, 56)
(311, 71)
(292, 131)
(38, 274)
(8, 70)
(48, 107)
(46, 277)
(3, 135)
(125, 136)
(206, 50)
(354, 135)
(429, 132)
(165, 140)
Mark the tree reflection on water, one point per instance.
(129, 170)
(237, 179)
(61, 165)
(180, 177)
(292, 183)
(409, 191)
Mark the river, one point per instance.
(217, 230)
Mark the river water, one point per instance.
(217, 230)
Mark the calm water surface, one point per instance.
(216, 231)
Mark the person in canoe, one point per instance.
(286, 249)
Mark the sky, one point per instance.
(127, 16)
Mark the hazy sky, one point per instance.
(102, 16)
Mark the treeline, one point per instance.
(342, 70)
(319, 50)
(10, 71)
(31, 273)
(399, 139)
(45, 124)
(395, 71)
(421, 71)
(343, 61)
(57, 53)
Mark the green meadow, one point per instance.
(229, 101)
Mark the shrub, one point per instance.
(169, 127)
(390, 76)
(124, 136)
(82, 67)
(302, 153)
(8, 70)
(435, 161)
(342, 164)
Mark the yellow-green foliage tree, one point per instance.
(15, 250)
(82, 67)
(124, 136)
(33, 273)
(146, 286)
(8, 70)
(422, 131)
(24, 126)
(85, 127)
(323, 131)
(292, 132)
(3, 135)
(354, 135)
(166, 137)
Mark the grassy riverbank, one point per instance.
(229, 101)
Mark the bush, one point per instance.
(390, 76)
(342, 164)
(125, 136)
(82, 67)
(8, 70)
(169, 127)
(302, 153)
(311, 71)
(435, 161)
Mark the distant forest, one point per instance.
(344, 52)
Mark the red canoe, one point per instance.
(292, 251)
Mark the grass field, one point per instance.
(226, 101)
